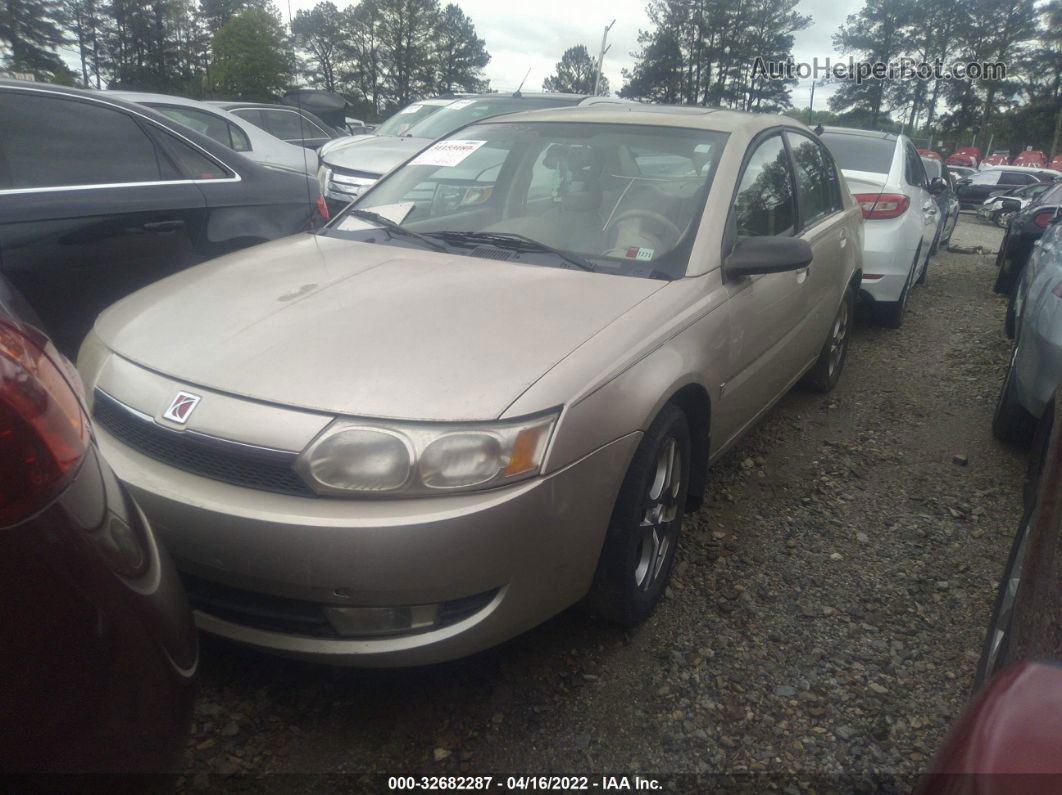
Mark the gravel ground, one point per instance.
(824, 621)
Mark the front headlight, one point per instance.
(324, 173)
(353, 457)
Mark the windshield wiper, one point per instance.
(396, 229)
(508, 239)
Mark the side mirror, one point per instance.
(754, 255)
(937, 186)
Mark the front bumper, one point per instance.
(532, 548)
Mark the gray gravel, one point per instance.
(825, 617)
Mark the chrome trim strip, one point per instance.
(109, 185)
(206, 439)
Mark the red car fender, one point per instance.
(1009, 740)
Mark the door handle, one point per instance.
(162, 226)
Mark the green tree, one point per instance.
(407, 32)
(702, 52)
(85, 24)
(575, 73)
(878, 33)
(321, 33)
(30, 33)
(460, 54)
(252, 59)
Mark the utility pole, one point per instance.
(601, 56)
(811, 102)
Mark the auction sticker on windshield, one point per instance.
(446, 153)
(461, 103)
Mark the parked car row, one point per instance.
(974, 190)
(511, 311)
(349, 166)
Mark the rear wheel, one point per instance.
(824, 376)
(1011, 422)
(642, 537)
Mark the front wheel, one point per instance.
(824, 376)
(642, 537)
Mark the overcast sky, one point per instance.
(535, 34)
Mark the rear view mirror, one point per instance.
(755, 255)
(937, 186)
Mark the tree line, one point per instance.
(381, 53)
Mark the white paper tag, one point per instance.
(409, 109)
(446, 153)
(636, 252)
(461, 103)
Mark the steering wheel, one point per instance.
(636, 212)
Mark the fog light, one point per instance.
(372, 621)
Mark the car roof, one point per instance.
(862, 133)
(657, 116)
(1025, 170)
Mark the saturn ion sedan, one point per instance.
(487, 390)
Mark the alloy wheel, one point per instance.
(656, 527)
(838, 338)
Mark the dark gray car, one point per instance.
(100, 197)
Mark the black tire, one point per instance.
(1011, 422)
(823, 377)
(637, 556)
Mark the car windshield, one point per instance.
(401, 121)
(622, 196)
(465, 111)
(860, 152)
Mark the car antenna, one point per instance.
(319, 206)
(517, 92)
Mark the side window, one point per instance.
(818, 189)
(253, 115)
(191, 163)
(51, 142)
(916, 171)
(764, 203)
(240, 141)
(285, 125)
(199, 120)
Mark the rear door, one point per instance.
(821, 221)
(91, 208)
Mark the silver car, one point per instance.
(1034, 319)
(349, 166)
(227, 128)
(489, 389)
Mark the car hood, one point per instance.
(363, 329)
(374, 154)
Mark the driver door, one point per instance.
(764, 311)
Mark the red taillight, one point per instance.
(879, 206)
(1043, 218)
(322, 208)
(43, 431)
